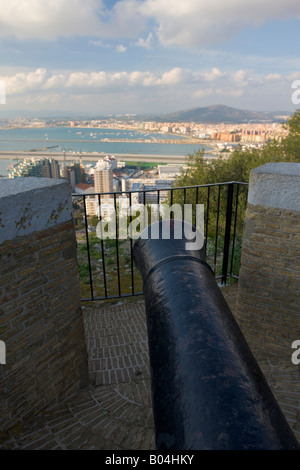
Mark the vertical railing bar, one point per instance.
(217, 230)
(145, 209)
(234, 228)
(88, 247)
(102, 248)
(157, 203)
(227, 231)
(197, 200)
(197, 195)
(117, 245)
(171, 204)
(131, 248)
(207, 219)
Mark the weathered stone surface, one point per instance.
(40, 318)
(275, 185)
(269, 295)
(32, 204)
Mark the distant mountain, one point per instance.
(219, 114)
(280, 115)
(210, 114)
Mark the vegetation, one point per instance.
(143, 165)
(107, 277)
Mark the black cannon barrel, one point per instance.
(208, 391)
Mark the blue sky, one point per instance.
(148, 56)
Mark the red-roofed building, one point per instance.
(83, 188)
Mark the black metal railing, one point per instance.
(105, 241)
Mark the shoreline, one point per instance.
(140, 141)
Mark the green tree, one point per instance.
(94, 220)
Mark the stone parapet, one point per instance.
(40, 308)
(268, 299)
(32, 204)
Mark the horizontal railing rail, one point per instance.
(106, 266)
(208, 392)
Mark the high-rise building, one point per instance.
(103, 178)
(103, 183)
(51, 168)
(43, 168)
(69, 174)
(80, 176)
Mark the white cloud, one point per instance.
(175, 22)
(121, 48)
(97, 43)
(146, 43)
(54, 82)
(203, 92)
(241, 77)
(43, 79)
(25, 82)
(273, 77)
(174, 76)
(145, 88)
(76, 79)
(49, 19)
(139, 78)
(124, 20)
(199, 22)
(52, 19)
(214, 74)
(293, 76)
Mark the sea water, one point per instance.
(59, 139)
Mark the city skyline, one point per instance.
(148, 56)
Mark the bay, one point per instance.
(76, 139)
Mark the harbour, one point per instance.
(74, 145)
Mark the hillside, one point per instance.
(218, 114)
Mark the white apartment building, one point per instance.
(93, 207)
(103, 177)
(103, 183)
(91, 204)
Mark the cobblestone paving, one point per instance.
(114, 412)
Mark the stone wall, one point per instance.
(40, 310)
(268, 303)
